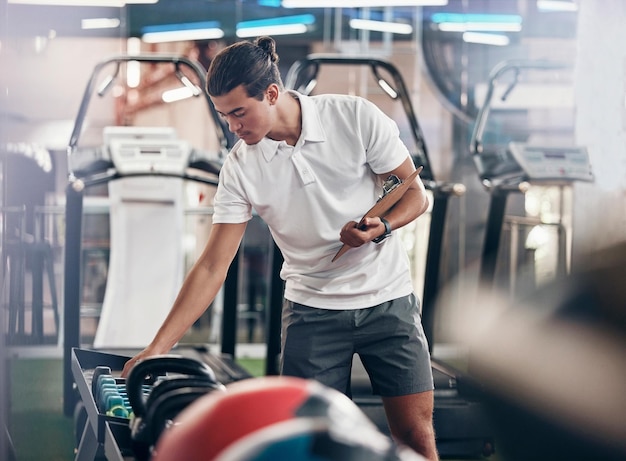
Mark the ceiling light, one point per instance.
(112, 3)
(133, 68)
(556, 5)
(206, 30)
(486, 39)
(195, 90)
(100, 23)
(457, 22)
(287, 29)
(285, 25)
(387, 88)
(478, 27)
(177, 94)
(359, 3)
(381, 26)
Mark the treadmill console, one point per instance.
(552, 163)
(140, 150)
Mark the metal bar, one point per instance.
(72, 284)
(513, 249)
(38, 258)
(275, 310)
(495, 217)
(433, 262)
(229, 319)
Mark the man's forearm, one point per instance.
(197, 293)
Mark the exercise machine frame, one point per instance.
(103, 172)
(501, 186)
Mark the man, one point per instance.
(310, 167)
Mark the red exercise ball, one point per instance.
(216, 421)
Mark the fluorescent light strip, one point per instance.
(387, 88)
(133, 68)
(205, 30)
(555, 5)
(479, 27)
(112, 3)
(177, 94)
(486, 39)
(306, 19)
(381, 26)
(182, 35)
(100, 23)
(476, 17)
(286, 29)
(458, 22)
(285, 25)
(359, 3)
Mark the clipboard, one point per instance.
(383, 205)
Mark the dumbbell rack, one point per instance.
(103, 436)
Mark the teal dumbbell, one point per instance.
(104, 391)
(115, 407)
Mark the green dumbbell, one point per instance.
(115, 407)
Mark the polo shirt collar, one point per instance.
(312, 129)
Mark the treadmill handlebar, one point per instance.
(303, 73)
(176, 60)
(515, 65)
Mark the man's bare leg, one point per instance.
(410, 419)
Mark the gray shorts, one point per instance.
(320, 343)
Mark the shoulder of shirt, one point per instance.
(344, 102)
(338, 98)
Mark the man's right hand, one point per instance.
(144, 354)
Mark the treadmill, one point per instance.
(460, 423)
(515, 166)
(139, 152)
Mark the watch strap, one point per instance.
(384, 235)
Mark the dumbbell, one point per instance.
(109, 396)
(111, 401)
(115, 406)
(143, 431)
(98, 371)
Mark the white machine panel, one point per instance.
(147, 150)
(146, 259)
(553, 163)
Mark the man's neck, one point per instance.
(288, 120)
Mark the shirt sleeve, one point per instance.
(385, 150)
(230, 205)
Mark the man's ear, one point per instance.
(272, 93)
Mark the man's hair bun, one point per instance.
(268, 45)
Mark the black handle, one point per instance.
(160, 365)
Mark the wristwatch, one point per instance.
(385, 234)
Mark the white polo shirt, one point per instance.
(306, 193)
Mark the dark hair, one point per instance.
(251, 64)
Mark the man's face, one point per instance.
(248, 118)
